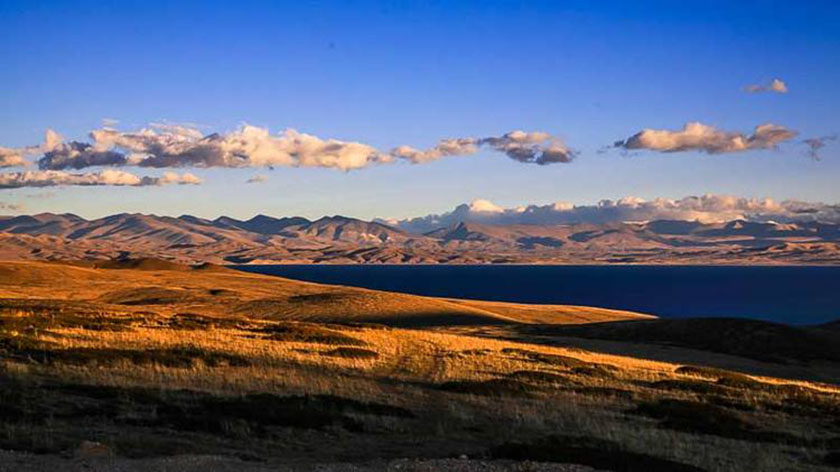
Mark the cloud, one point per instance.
(444, 148)
(16, 157)
(11, 158)
(532, 148)
(815, 144)
(53, 178)
(536, 148)
(706, 208)
(173, 178)
(775, 86)
(699, 137)
(76, 155)
(173, 146)
(257, 179)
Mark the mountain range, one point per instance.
(339, 239)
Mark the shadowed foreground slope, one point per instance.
(142, 364)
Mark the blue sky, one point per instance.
(388, 74)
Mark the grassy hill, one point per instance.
(145, 360)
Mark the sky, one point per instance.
(590, 76)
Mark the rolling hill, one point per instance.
(144, 364)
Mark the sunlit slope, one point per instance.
(166, 288)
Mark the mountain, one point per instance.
(261, 224)
(341, 228)
(340, 239)
(43, 223)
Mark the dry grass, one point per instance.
(182, 376)
(228, 293)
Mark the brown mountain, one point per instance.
(261, 223)
(339, 239)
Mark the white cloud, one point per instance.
(52, 178)
(532, 148)
(775, 86)
(699, 137)
(706, 208)
(444, 148)
(173, 178)
(16, 157)
(535, 148)
(170, 146)
(11, 158)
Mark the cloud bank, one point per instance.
(173, 146)
(775, 86)
(706, 209)
(54, 178)
(699, 137)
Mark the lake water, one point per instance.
(796, 295)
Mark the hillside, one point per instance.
(341, 240)
(225, 292)
(149, 365)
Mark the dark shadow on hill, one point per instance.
(143, 422)
(752, 339)
(593, 452)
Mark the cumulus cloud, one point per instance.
(16, 157)
(173, 178)
(76, 155)
(816, 144)
(257, 179)
(171, 146)
(699, 137)
(775, 86)
(532, 148)
(535, 148)
(706, 209)
(11, 158)
(444, 148)
(53, 178)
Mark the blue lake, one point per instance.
(795, 295)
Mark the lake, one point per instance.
(795, 295)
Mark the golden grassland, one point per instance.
(162, 360)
